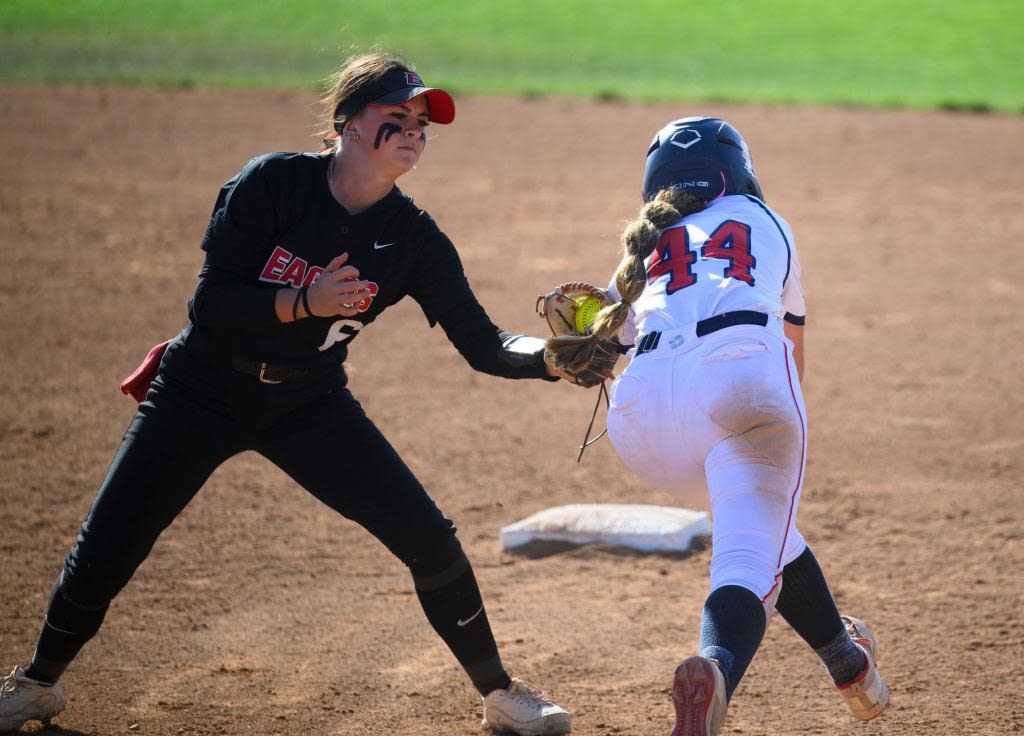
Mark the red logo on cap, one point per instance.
(413, 79)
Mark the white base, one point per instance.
(639, 526)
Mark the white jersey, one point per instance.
(719, 421)
(735, 254)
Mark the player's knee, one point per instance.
(432, 550)
(94, 580)
(430, 577)
(756, 574)
(765, 589)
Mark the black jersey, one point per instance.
(276, 224)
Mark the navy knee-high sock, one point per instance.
(731, 629)
(807, 605)
(806, 602)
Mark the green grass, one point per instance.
(906, 53)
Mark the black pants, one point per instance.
(174, 444)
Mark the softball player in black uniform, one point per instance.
(302, 251)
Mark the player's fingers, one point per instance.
(348, 300)
(350, 285)
(347, 273)
(347, 308)
(352, 291)
(337, 262)
(326, 296)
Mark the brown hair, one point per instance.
(639, 239)
(354, 74)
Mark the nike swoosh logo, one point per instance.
(461, 623)
(378, 246)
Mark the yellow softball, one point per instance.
(586, 310)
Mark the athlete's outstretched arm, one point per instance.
(489, 349)
(438, 283)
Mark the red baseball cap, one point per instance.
(396, 87)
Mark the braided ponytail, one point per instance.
(639, 239)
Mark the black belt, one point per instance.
(269, 372)
(706, 326)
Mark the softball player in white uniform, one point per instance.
(709, 408)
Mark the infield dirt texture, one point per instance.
(261, 612)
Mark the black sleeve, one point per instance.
(224, 300)
(490, 350)
(243, 224)
(439, 284)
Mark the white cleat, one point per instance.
(698, 692)
(866, 695)
(23, 699)
(524, 710)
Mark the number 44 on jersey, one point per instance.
(673, 256)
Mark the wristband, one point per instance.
(305, 301)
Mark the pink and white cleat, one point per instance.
(698, 692)
(867, 694)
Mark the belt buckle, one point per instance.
(263, 372)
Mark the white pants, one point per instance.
(719, 422)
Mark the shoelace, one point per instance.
(859, 638)
(524, 692)
(10, 684)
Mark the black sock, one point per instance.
(807, 605)
(806, 602)
(66, 629)
(451, 600)
(731, 629)
(843, 659)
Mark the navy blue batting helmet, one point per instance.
(705, 156)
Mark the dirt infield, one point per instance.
(261, 612)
